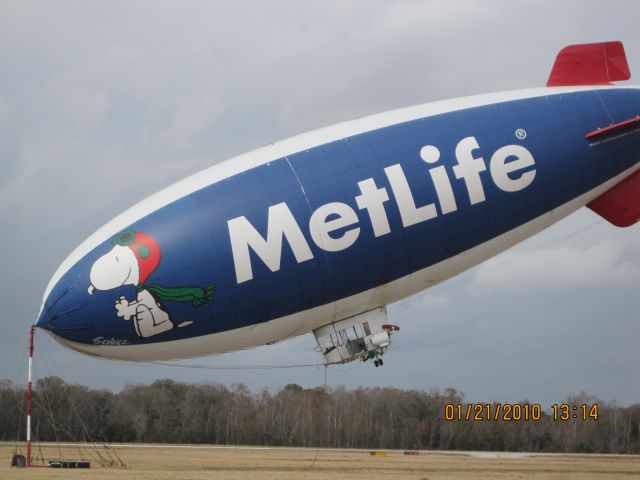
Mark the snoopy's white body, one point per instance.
(148, 316)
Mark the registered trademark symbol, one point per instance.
(521, 133)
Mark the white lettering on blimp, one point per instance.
(333, 226)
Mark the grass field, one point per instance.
(151, 462)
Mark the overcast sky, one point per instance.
(105, 103)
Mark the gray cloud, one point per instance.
(104, 104)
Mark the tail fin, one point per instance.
(621, 204)
(590, 64)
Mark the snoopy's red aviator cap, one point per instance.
(145, 248)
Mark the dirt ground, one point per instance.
(154, 462)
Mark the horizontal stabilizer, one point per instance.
(621, 204)
(589, 64)
(616, 129)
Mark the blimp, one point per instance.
(320, 232)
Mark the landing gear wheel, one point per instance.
(376, 362)
(380, 362)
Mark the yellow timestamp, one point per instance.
(516, 412)
(565, 411)
(506, 412)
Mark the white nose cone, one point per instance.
(116, 268)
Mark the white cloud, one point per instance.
(566, 267)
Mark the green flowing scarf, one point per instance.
(196, 295)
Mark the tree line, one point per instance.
(167, 411)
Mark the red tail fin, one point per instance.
(589, 64)
(621, 204)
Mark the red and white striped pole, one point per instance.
(32, 332)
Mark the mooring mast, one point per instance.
(32, 332)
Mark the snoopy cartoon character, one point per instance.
(133, 257)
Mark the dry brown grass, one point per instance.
(203, 462)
